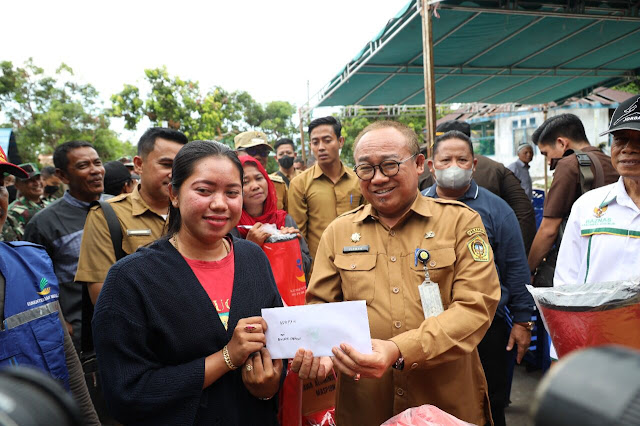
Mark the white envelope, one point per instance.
(318, 328)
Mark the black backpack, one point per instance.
(588, 181)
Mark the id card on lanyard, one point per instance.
(429, 291)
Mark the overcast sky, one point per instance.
(268, 48)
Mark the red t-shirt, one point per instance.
(216, 277)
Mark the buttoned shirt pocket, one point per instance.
(358, 275)
(133, 239)
(441, 270)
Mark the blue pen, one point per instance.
(351, 202)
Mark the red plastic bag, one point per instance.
(285, 258)
(424, 415)
(320, 418)
(587, 315)
(290, 400)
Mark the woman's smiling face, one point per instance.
(210, 200)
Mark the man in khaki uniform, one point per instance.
(142, 213)
(255, 144)
(285, 155)
(326, 190)
(370, 254)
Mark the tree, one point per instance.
(632, 86)
(352, 126)
(216, 114)
(45, 111)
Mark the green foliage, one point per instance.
(216, 114)
(352, 126)
(631, 87)
(46, 111)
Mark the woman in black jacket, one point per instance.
(177, 326)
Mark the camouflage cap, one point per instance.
(250, 139)
(12, 169)
(31, 169)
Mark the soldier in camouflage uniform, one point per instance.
(53, 186)
(26, 205)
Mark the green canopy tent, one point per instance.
(493, 51)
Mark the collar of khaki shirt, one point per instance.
(138, 205)
(420, 205)
(317, 171)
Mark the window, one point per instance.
(523, 133)
(483, 138)
(514, 124)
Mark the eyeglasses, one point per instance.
(389, 168)
(259, 151)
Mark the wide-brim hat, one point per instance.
(251, 139)
(12, 169)
(626, 116)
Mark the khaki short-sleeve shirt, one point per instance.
(314, 201)
(281, 192)
(359, 258)
(139, 224)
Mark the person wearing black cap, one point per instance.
(117, 179)
(19, 260)
(496, 178)
(602, 238)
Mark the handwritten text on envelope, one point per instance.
(318, 328)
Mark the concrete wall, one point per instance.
(595, 120)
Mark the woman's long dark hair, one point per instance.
(183, 166)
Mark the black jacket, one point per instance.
(154, 325)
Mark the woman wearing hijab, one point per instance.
(259, 208)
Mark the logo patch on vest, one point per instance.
(44, 287)
(599, 211)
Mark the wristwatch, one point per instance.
(528, 325)
(399, 364)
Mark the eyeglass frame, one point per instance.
(378, 166)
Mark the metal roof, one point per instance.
(495, 51)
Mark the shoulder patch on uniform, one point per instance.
(474, 231)
(276, 178)
(479, 249)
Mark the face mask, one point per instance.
(285, 161)
(453, 177)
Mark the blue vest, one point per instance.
(31, 332)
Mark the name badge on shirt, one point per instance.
(138, 232)
(355, 249)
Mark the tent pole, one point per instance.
(429, 84)
(302, 148)
(546, 182)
